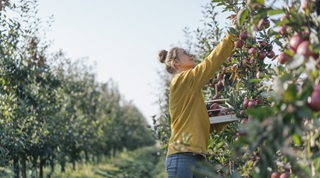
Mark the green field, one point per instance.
(146, 162)
(143, 163)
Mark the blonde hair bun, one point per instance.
(162, 55)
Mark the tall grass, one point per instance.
(147, 162)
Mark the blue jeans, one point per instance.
(183, 165)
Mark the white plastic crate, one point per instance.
(223, 119)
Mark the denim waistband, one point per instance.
(200, 156)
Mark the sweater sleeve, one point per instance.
(203, 72)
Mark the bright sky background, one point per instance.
(123, 38)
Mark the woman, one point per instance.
(190, 126)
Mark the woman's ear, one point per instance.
(175, 62)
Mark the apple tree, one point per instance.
(280, 135)
(271, 83)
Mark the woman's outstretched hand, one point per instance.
(233, 18)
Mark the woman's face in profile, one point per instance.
(186, 60)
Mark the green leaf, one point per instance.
(316, 156)
(260, 1)
(306, 92)
(243, 13)
(315, 48)
(255, 80)
(235, 174)
(275, 12)
(3, 82)
(260, 113)
(296, 139)
(304, 112)
(290, 94)
(289, 52)
(232, 31)
(220, 4)
(219, 145)
(278, 42)
(282, 22)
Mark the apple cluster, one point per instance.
(301, 42)
(247, 62)
(280, 175)
(255, 50)
(215, 109)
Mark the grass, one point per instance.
(86, 171)
(142, 163)
(146, 162)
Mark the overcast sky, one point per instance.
(123, 38)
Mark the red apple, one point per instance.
(316, 88)
(285, 175)
(242, 112)
(238, 134)
(214, 106)
(243, 35)
(283, 58)
(271, 54)
(239, 43)
(263, 43)
(314, 100)
(263, 23)
(262, 55)
(243, 121)
(252, 103)
(295, 41)
(266, 23)
(275, 175)
(304, 49)
(245, 103)
(283, 30)
(253, 51)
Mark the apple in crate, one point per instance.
(214, 106)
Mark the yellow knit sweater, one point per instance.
(190, 124)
